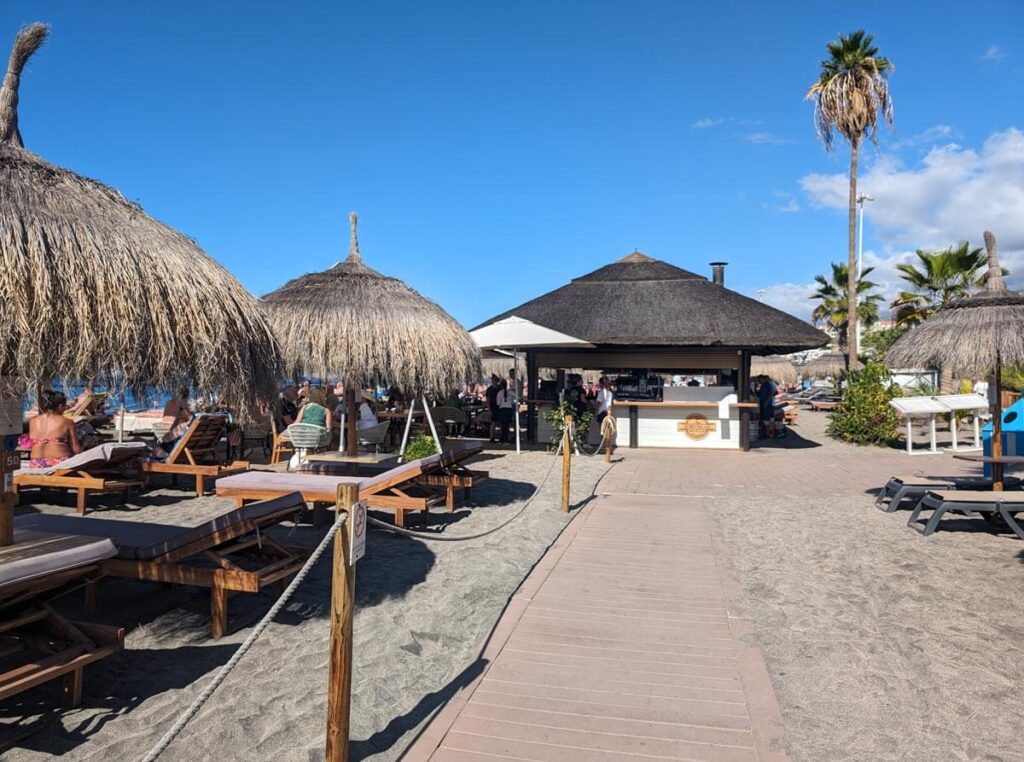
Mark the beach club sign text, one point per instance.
(696, 426)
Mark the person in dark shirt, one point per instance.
(492, 405)
(287, 410)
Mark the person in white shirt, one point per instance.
(604, 400)
(367, 412)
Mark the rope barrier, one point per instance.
(222, 675)
(442, 538)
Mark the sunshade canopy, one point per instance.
(518, 333)
(93, 289)
(354, 324)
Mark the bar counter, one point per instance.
(717, 422)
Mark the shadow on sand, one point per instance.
(113, 687)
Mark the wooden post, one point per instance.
(566, 460)
(10, 461)
(608, 444)
(997, 428)
(343, 594)
(351, 415)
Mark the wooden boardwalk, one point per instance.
(621, 645)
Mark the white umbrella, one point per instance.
(515, 333)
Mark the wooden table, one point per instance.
(996, 463)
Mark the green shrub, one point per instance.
(864, 415)
(556, 417)
(420, 446)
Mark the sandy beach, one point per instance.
(423, 612)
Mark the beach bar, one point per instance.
(653, 328)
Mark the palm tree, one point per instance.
(936, 279)
(850, 93)
(833, 308)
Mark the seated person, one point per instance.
(177, 416)
(314, 411)
(367, 412)
(454, 400)
(51, 435)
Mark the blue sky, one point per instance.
(496, 150)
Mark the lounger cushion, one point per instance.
(142, 541)
(93, 457)
(287, 482)
(38, 554)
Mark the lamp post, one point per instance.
(861, 199)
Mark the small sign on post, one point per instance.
(357, 536)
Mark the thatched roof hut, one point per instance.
(969, 335)
(972, 337)
(826, 366)
(639, 300)
(92, 288)
(354, 324)
(777, 368)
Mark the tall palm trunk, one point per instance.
(852, 296)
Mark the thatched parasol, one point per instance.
(828, 365)
(92, 288)
(351, 322)
(974, 337)
(776, 367)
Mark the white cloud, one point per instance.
(953, 193)
(786, 203)
(938, 134)
(718, 121)
(794, 298)
(994, 53)
(766, 138)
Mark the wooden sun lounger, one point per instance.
(449, 475)
(824, 404)
(395, 490)
(229, 554)
(914, 487)
(39, 644)
(104, 469)
(971, 503)
(195, 454)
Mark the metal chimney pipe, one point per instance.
(718, 273)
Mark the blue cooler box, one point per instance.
(1013, 433)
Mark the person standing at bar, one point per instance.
(604, 400)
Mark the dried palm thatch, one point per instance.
(92, 288)
(973, 337)
(969, 335)
(828, 365)
(779, 369)
(352, 323)
(496, 363)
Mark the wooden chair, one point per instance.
(111, 467)
(229, 554)
(41, 645)
(195, 454)
(281, 444)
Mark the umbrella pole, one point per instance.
(408, 426)
(351, 442)
(515, 397)
(120, 428)
(997, 429)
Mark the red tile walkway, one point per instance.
(624, 642)
(621, 645)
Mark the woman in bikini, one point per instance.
(51, 436)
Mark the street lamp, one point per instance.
(861, 199)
